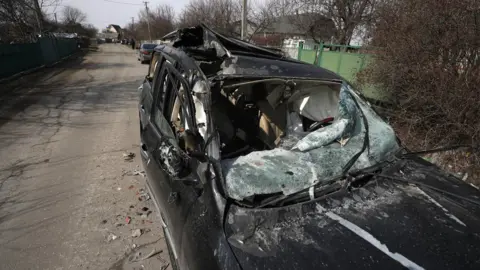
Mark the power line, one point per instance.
(123, 3)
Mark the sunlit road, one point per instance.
(65, 188)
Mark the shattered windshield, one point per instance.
(288, 138)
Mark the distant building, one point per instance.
(114, 29)
(288, 27)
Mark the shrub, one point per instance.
(429, 63)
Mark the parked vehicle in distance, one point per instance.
(258, 161)
(145, 52)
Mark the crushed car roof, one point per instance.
(241, 58)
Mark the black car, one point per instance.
(257, 161)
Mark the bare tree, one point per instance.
(218, 14)
(263, 13)
(73, 15)
(18, 19)
(347, 15)
(162, 20)
(428, 62)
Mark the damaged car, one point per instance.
(258, 161)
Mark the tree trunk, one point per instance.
(39, 14)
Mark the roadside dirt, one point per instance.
(68, 197)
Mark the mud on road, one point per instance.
(71, 196)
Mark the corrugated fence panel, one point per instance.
(343, 62)
(15, 58)
(307, 56)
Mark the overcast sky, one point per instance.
(101, 13)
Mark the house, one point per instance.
(115, 29)
(290, 27)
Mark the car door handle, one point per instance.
(144, 150)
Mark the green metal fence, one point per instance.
(15, 58)
(346, 61)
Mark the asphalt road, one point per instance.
(66, 191)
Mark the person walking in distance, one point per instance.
(133, 44)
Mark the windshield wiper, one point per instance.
(325, 187)
(313, 192)
(441, 149)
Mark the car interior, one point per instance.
(258, 116)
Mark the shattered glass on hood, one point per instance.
(304, 159)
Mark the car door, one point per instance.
(175, 196)
(146, 93)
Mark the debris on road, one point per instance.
(134, 246)
(151, 254)
(137, 172)
(136, 256)
(143, 195)
(119, 188)
(165, 266)
(128, 219)
(137, 233)
(145, 209)
(145, 216)
(131, 187)
(111, 237)
(128, 156)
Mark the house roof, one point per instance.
(117, 27)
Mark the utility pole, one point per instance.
(148, 20)
(244, 20)
(55, 14)
(133, 27)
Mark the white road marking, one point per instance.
(371, 239)
(441, 207)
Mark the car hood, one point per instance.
(382, 225)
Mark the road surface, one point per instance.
(66, 192)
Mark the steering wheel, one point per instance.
(325, 122)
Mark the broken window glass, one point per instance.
(278, 138)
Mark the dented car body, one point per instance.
(257, 161)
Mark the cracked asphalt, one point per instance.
(66, 192)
